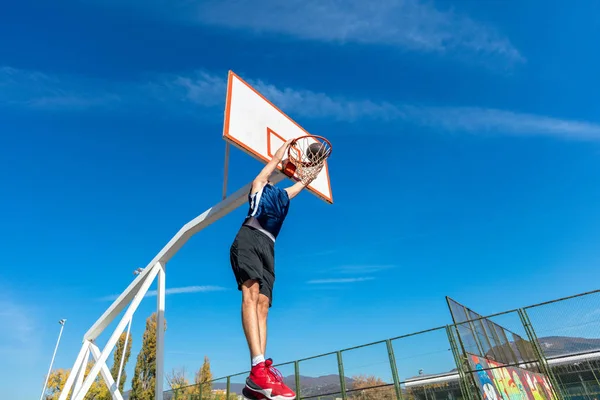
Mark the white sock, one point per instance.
(258, 359)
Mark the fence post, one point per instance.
(297, 376)
(464, 376)
(394, 367)
(342, 377)
(228, 387)
(545, 368)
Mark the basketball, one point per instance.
(315, 150)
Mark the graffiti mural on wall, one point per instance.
(498, 382)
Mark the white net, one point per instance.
(308, 154)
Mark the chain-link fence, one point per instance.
(568, 333)
(545, 351)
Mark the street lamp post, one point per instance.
(62, 325)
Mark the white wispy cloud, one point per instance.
(195, 92)
(309, 104)
(414, 25)
(339, 280)
(38, 90)
(177, 290)
(475, 119)
(409, 24)
(361, 269)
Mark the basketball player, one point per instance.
(253, 263)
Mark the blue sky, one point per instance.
(465, 163)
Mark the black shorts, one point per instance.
(252, 256)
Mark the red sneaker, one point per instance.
(266, 380)
(248, 394)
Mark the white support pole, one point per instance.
(112, 387)
(76, 367)
(124, 351)
(87, 383)
(138, 288)
(226, 170)
(81, 371)
(160, 333)
(62, 325)
(117, 306)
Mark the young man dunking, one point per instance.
(253, 263)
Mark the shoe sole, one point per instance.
(249, 394)
(258, 390)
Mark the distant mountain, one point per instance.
(556, 346)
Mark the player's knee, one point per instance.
(250, 291)
(263, 305)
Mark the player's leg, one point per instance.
(262, 313)
(265, 298)
(250, 319)
(247, 268)
(264, 380)
(262, 310)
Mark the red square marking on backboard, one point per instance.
(275, 143)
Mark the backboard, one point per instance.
(258, 127)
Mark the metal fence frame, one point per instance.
(466, 380)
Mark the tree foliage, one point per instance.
(203, 378)
(144, 378)
(56, 382)
(369, 387)
(177, 379)
(179, 384)
(58, 378)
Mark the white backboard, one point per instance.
(258, 127)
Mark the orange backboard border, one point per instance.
(242, 146)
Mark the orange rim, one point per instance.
(296, 158)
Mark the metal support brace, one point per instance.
(297, 376)
(464, 376)
(160, 331)
(226, 170)
(342, 377)
(112, 387)
(82, 368)
(101, 360)
(543, 363)
(124, 352)
(80, 362)
(394, 368)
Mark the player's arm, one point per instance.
(295, 189)
(263, 177)
(299, 186)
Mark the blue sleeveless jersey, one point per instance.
(268, 209)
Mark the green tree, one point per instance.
(144, 378)
(118, 354)
(203, 379)
(179, 384)
(371, 388)
(56, 382)
(58, 378)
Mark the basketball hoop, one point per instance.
(306, 156)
